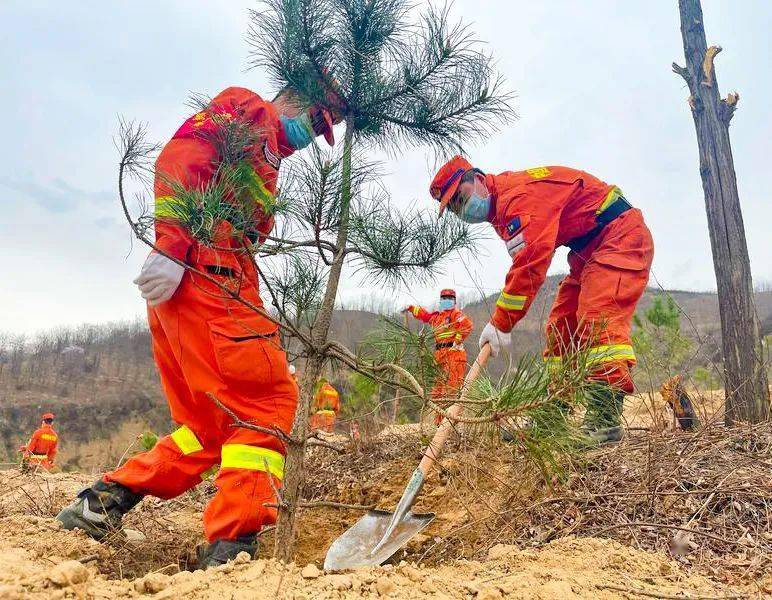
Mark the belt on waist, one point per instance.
(440, 345)
(616, 208)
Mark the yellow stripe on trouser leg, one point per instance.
(510, 302)
(241, 456)
(186, 440)
(600, 354)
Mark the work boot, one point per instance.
(220, 552)
(603, 420)
(99, 509)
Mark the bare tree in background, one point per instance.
(746, 386)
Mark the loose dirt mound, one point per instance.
(37, 560)
(500, 531)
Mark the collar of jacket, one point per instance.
(490, 183)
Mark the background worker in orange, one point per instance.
(450, 327)
(534, 212)
(206, 342)
(42, 446)
(326, 407)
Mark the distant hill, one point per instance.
(113, 385)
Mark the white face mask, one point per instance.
(476, 208)
(447, 303)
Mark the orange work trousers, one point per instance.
(323, 420)
(206, 343)
(595, 302)
(451, 363)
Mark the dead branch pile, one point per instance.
(705, 498)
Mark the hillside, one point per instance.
(110, 393)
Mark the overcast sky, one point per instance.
(594, 91)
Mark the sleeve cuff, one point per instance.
(172, 239)
(503, 320)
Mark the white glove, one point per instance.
(497, 339)
(159, 279)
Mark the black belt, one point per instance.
(440, 345)
(616, 208)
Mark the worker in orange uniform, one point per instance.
(534, 212)
(206, 342)
(42, 446)
(450, 327)
(326, 407)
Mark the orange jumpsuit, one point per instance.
(538, 210)
(205, 342)
(42, 447)
(450, 328)
(326, 407)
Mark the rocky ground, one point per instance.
(479, 547)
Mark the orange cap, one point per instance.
(47, 416)
(321, 122)
(448, 178)
(448, 293)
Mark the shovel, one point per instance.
(379, 534)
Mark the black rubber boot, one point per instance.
(220, 552)
(99, 509)
(603, 420)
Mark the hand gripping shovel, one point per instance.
(379, 534)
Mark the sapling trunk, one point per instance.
(295, 474)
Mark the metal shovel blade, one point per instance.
(355, 547)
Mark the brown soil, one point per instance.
(465, 553)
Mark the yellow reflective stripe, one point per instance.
(38, 456)
(416, 310)
(48, 437)
(510, 302)
(164, 207)
(325, 412)
(186, 440)
(241, 456)
(445, 334)
(259, 192)
(611, 197)
(611, 352)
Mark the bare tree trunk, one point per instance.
(295, 474)
(745, 379)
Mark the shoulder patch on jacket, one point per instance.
(271, 158)
(513, 226)
(538, 172)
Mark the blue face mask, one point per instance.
(298, 130)
(447, 303)
(476, 209)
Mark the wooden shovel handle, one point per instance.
(434, 450)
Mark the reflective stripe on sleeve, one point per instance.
(510, 302)
(186, 440)
(165, 207)
(253, 458)
(415, 310)
(599, 354)
(48, 437)
(611, 197)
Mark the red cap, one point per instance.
(448, 178)
(47, 416)
(448, 293)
